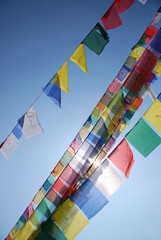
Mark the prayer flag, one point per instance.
(9, 146)
(143, 138)
(113, 88)
(111, 19)
(157, 17)
(70, 219)
(31, 125)
(61, 78)
(17, 131)
(122, 157)
(142, 1)
(79, 58)
(97, 39)
(135, 81)
(137, 52)
(53, 92)
(146, 63)
(123, 73)
(156, 42)
(123, 5)
(157, 69)
(50, 231)
(89, 199)
(153, 115)
(106, 179)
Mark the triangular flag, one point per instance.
(153, 115)
(53, 92)
(9, 146)
(79, 58)
(97, 39)
(122, 157)
(111, 19)
(61, 78)
(123, 5)
(31, 125)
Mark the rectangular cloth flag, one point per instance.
(143, 138)
(123, 5)
(123, 73)
(106, 179)
(97, 39)
(111, 19)
(17, 131)
(79, 58)
(157, 69)
(153, 115)
(122, 157)
(157, 17)
(31, 126)
(61, 78)
(156, 42)
(89, 199)
(9, 146)
(50, 231)
(53, 92)
(70, 219)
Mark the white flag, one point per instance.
(156, 19)
(9, 146)
(106, 179)
(142, 1)
(31, 125)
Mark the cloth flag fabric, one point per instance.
(53, 92)
(123, 5)
(17, 131)
(61, 78)
(123, 73)
(70, 219)
(97, 39)
(157, 69)
(31, 125)
(156, 42)
(9, 146)
(106, 179)
(153, 115)
(122, 157)
(157, 17)
(50, 231)
(111, 19)
(143, 138)
(142, 1)
(79, 58)
(89, 199)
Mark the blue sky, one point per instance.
(37, 37)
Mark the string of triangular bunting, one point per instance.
(96, 40)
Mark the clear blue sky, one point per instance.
(36, 38)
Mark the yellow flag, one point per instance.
(26, 231)
(39, 196)
(153, 115)
(61, 78)
(79, 58)
(157, 69)
(70, 219)
(137, 52)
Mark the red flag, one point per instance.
(150, 31)
(122, 157)
(111, 19)
(123, 5)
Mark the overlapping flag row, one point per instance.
(85, 157)
(96, 40)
